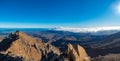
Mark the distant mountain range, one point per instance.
(101, 42)
(111, 41)
(90, 30)
(108, 45)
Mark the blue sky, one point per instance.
(52, 13)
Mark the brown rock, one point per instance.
(77, 53)
(1, 38)
(31, 49)
(25, 46)
(50, 53)
(20, 45)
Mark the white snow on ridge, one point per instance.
(91, 29)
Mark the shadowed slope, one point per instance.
(6, 57)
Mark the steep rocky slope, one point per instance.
(22, 45)
(19, 46)
(1, 38)
(77, 53)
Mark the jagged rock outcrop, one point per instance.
(50, 53)
(22, 45)
(77, 53)
(1, 38)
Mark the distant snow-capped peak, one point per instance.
(90, 29)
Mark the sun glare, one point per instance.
(117, 8)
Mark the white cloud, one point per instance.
(91, 29)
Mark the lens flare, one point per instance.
(117, 8)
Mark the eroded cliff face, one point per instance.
(77, 53)
(27, 48)
(22, 45)
(1, 38)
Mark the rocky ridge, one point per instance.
(77, 53)
(27, 48)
